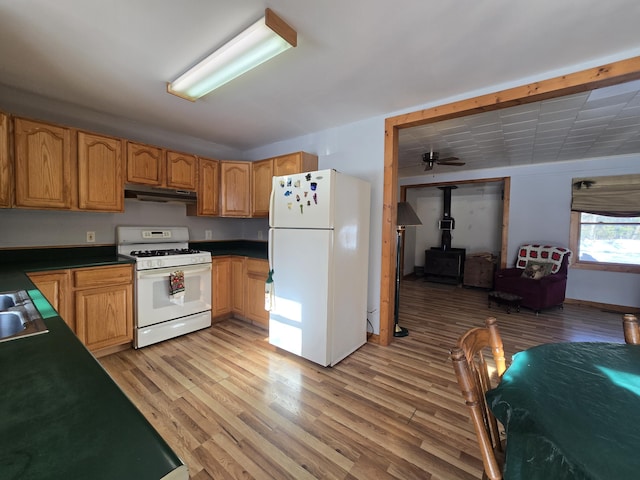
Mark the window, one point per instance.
(605, 223)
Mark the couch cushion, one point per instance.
(537, 270)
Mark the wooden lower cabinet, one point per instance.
(96, 303)
(54, 285)
(237, 285)
(256, 276)
(103, 298)
(221, 287)
(104, 317)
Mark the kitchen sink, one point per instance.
(7, 301)
(10, 324)
(19, 318)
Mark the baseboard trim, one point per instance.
(603, 306)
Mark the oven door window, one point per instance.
(154, 303)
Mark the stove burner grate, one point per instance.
(163, 253)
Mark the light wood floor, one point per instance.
(233, 407)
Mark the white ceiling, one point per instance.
(355, 59)
(600, 123)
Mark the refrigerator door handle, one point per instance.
(272, 198)
(270, 248)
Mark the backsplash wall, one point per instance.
(33, 228)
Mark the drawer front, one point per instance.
(102, 276)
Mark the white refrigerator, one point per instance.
(319, 255)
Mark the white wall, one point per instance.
(477, 211)
(22, 228)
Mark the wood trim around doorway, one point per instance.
(590, 79)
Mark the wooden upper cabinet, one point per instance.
(235, 188)
(42, 165)
(145, 164)
(294, 163)
(100, 173)
(261, 175)
(208, 189)
(6, 182)
(182, 171)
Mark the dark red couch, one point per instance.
(548, 291)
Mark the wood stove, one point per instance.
(445, 264)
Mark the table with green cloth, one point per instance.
(571, 411)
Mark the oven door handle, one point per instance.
(188, 270)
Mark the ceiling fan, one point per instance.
(429, 159)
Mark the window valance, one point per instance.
(615, 196)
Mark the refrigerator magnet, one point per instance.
(307, 177)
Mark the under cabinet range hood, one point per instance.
(148, 193)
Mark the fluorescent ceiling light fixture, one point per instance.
(262, 41)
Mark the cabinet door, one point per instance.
(221, 285)
(182, 171)
(145, 164)
(294, 163)
(42, 165)
(100, 173)
(261, 175)
(237, 285)
(208, 187)
(257, 271)
(5, 164)
(234, 185)
(54, 285)
(104, 316)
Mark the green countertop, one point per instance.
(62, 416)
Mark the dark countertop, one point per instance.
(62, 416)
(242, 248)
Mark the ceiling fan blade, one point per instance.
(457, 164)
(447, 159)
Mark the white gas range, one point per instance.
(173, 282)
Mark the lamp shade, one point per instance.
(406, 215)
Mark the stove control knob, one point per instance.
(160, 263)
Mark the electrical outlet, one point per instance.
(259, 234)
(208, 235)
(91, 237)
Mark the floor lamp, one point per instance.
(406, 218)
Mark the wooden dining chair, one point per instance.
(631, 329)
(473, 376)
